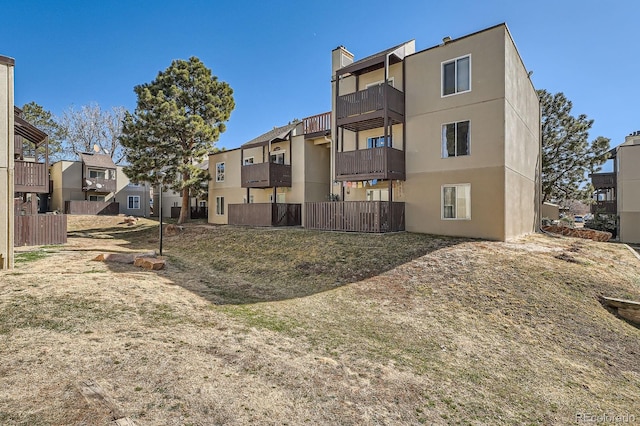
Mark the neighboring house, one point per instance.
(95, 185)
(445, 140)
(618, 192)
(267, 180)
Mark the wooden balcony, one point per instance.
(607, 207)
(265, 175)
(99, 185)
(355, 216)
(265, 214)
(373, 163)
(365, 109)
(317, 125)
(603, 180)
(31, 177)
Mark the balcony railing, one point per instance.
(265, 214)
(603, 180)
(265, 175)
(100, 185)
(369, 100)
(355, 216)
(373, 163)
(31, 177)
(608, 207)
(317, 124)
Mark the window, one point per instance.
(133, 202)
(456, 201)
(112, 174)
(96, 197)
(377, 142)
(220, 205)
(97, 174)
(456, 76)
(377, 195)
(219, 172)
(203, 204)
(277, 158)
(248, 160)
(455, 139)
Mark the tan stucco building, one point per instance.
(451, 142)
(628, 197)
(444, 141)
(267, 180)
(96, 181)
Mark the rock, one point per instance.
(150, 263)
(99, 258)
(171, 230)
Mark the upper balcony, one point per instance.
(31, 177)
(317, 125)
(265, 175)
(374, 163)
(604, 180)
(366, 109)
(99, 184)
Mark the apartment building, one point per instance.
(444, 141)
(618, 192)
(95, 185)
(268, 179)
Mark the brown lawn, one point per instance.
(287, 326)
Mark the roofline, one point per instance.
(224, 152)
(5, 60)
(493, 27)
(370, 60)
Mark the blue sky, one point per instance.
(276, 54)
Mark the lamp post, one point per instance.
(160, 213)
(159, 178)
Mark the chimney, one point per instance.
(340, 57)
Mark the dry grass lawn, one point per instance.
(287, 326)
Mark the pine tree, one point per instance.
(45, 121)
(567, 155)
(178, 118)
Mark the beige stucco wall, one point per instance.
(629, 192)
(423, 201)
(230, 189)
(6, 163)
(67, 181)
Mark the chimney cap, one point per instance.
(446, 39)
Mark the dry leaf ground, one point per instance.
(263, 326)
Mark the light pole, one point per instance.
(160, 212)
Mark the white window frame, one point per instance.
(219, 206)
(466, 200)
(444, 153)
(132, 200)
(219, 174)
(455, 60)
(246, 161)
(103, 174)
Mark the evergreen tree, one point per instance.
(567, 155)
(45, 121)
(178, 118)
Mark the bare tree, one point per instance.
(90, 126)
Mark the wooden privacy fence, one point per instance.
(355, 216)
(265, 214)
(40, 229)
(92, 208)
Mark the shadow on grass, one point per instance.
(235, 265)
